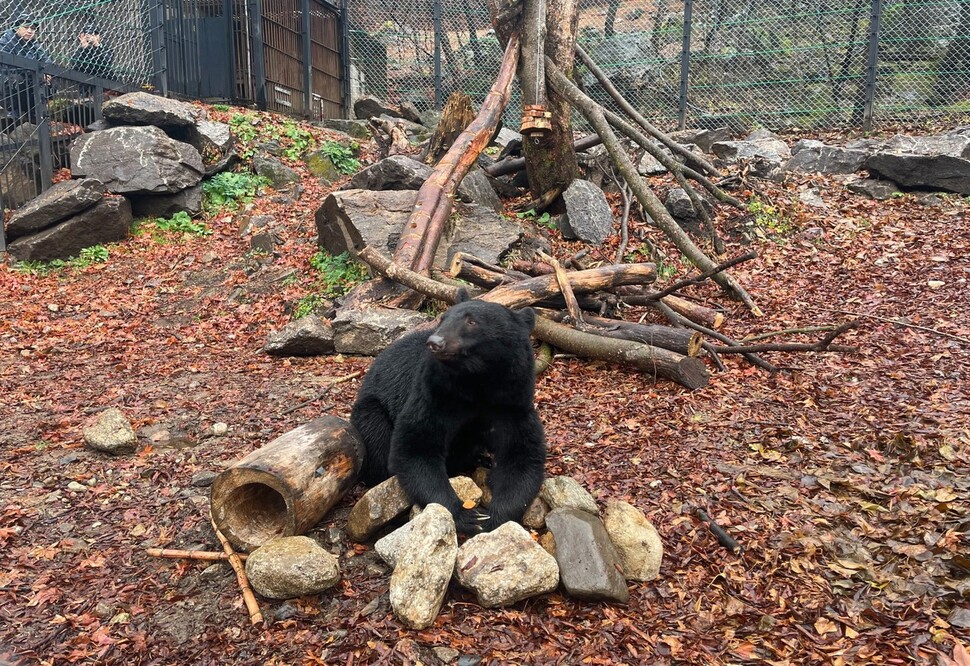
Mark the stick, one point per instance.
(723, 537)
(177, 554)
(697, 279)
(825, 344)
(564, 287)
(787, 331)
(255, 616)
(322, 393)
(900, 322)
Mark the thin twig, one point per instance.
(787, 331)
(677, 286)
(178, 554)
(719, 532)
(322, 393)
(899, 322)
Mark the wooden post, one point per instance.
(287, 486)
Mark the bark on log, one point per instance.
(687, 371)
(526, 292)
(697, 313)
(456, 115)
(288, 485)
(681, 340)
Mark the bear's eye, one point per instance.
(471, 323)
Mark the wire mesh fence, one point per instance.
(704, 62)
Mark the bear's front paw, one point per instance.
(472, 521)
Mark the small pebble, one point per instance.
(76, 487)
(219, 429)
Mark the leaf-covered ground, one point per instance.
(844, 477)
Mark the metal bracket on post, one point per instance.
(684, 65)
(872, 65)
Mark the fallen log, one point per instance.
(288, 485)
(685, 370)
(526, 292)
(681, 340)
(696, 312)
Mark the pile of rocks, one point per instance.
(591, 558)
(144, 159)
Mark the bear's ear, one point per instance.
(462, 296)
(528, 317)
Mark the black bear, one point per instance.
(431, 406)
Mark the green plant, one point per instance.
(229, 189)
(308, 305)
(220, 107)
(300, 140)
(339, 273)
(769, 218)
(342, 156)
(665, 271)
(182, 223)
(545, 219)
(95, 254)
(245, 127)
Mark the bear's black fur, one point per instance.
(432, 405)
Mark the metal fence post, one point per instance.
(307, 63)
(684, 65)
(437, 55)
(256, 46)
(345, 40)
(42, 118)
(159, 49)
(872, 65)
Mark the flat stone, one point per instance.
(588, 561)
(368, 331)
(140, 108)
(108, 221)
(559, 492)
(59, 202)
(589, 217)
(880, 190)
(307, 336)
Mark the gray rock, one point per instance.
(136, 159)
(397, 172)
(369, 106)
(379, 506)
(475, 188)
(264, 242)
(702, 138)
(806, 144)
(21, 179)
(112, 433)
(59, 202)
(108, 221)
(827, 159)
(940, 172)
(681, 207)
(811, 197)
(278, 174)
(650, 165)
(880, 190)
(308, 336)
(764, 151)
(389, 545)
(466, 489)
(410, 112)
(535, 514)
(588, 215)
(203, 479)
(368, 331)
(505, 136)
(166, 205)
(587, 559)
(354, 128)
(350, 219)
(559, 492)
(211, 139)
(636, 540)
(290, 567)
(424, 568)
(951, 145)
(140, 108)
(505, 566)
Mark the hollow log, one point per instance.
(288, 485)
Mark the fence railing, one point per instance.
(824, 63)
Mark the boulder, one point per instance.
(368, 331)
(213, 140)
(680, 206)
(321, 165)
(59, 202)
(353, 128)
(636, 540)
(880, 190)
(505, 566)
(397, 172)
(650, 166)
(936, 172)
(378, 506)
(388, 546)
(424, 567)
(588, 217)
(112, 433)
(564, 492)
(307, 336)
(293, 566)
(826, 159)
(166, 205)
(369, 106)
(108, 221)
(764, 151)
(140, 108)
(136, 159)
(475, 188)
(701, 137)
(278, 174)
(588, 561)
(350, 219)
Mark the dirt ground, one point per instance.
(844, 477)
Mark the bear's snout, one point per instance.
(436, 344)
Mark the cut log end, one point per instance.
(250, 513)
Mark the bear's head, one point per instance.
(477, 337)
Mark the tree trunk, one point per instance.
(287, 486)
(551, 163)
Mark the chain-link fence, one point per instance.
(704, 62)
